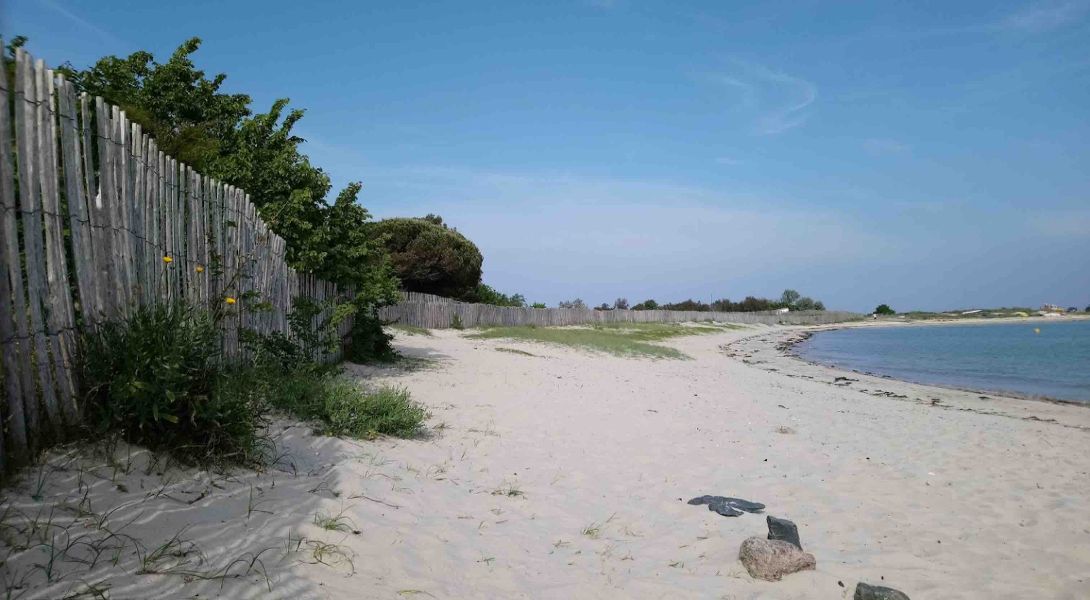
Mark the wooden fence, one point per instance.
(436, 312)
(95, 221)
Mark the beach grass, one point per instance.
(343, 408)
(619, 339)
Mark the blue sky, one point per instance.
(927, 155)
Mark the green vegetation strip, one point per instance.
(158, 378)
(620, 339)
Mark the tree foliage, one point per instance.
(194, 120)
(486, 294)
(884, 309)
(216, 133)
(789, 297)
(430, 257)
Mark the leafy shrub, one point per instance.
(158, 380)
(456, 322)
(341, 408)
(884, 309)
(429, 257)
(368, 342)
(385, 411)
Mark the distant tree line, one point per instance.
(790, 299)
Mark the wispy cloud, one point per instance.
(777, 100)
(1044, 16)
(603, 4)
(885, 146)
(1063, 224)
(82, 22)
(726, 160)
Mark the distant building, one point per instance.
(1051, 308)
(783, 310)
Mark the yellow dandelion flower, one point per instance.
(200, 268)
(230, 300)
(168, 259)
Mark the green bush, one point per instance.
(343, 408)
(386, 411)
(429, 257)
(158, 380)
(369, 342)
(884, 309)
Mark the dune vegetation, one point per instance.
(620, 339)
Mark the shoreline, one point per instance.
(774, 351)
(790, 349)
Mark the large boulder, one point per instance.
(864, 591)
(782, 529)
(770, 560)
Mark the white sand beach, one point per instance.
(564, 474)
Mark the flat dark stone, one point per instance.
(746, 505)
(864, 591)
(727, 506)
(782, 529)
(721, 506)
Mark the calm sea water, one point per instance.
(1001, 357)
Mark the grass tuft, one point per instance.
(343, 408)
(335, 522)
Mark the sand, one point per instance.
(564, 475)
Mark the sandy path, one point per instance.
(563, 475)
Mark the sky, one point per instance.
(928, 155)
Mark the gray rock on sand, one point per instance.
(770, 560)
(723, 507)
(782, 529)
(727, 506)
(864, 591)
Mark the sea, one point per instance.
(1041, 358)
